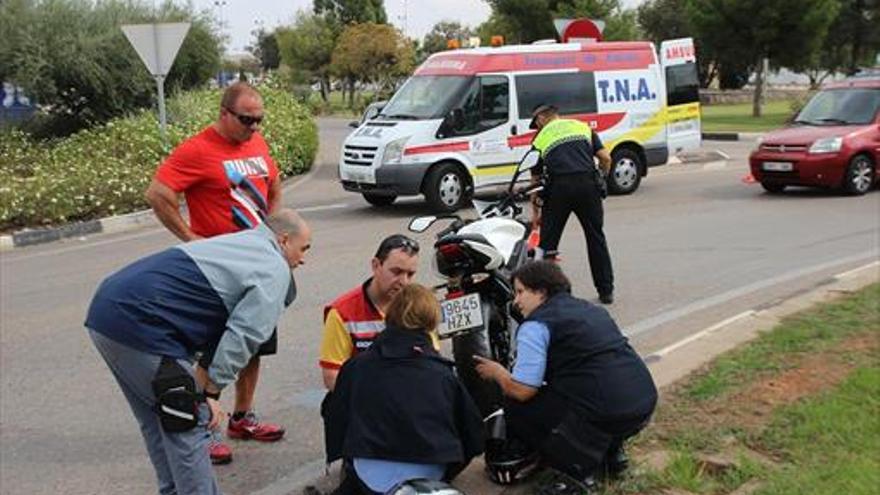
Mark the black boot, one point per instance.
(563, 484)
(616, 462)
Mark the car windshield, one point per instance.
(841, 107)
(424, 97)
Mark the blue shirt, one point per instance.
(532, 341)
(382, 476)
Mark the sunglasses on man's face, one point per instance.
(246, 120)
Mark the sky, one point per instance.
(414, 17)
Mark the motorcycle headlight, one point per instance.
(827, 145)
(394, 151)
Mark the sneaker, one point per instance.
(220, 451)
(607, 298)
(250, 428)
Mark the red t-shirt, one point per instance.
(226, 184)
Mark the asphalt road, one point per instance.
(693, 246)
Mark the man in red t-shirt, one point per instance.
(230, 183)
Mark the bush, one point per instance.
(105, 170)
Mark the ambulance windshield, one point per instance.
(424, 98)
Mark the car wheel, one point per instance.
(379, 199)
(772, 187)
(626, 171)
(859, 175)
(446, 188)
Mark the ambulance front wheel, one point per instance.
(379, 199)
(626, 171)
(446, 187)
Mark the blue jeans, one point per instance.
(181, 460)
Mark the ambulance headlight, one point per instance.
(394, 151)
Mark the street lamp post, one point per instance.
(220, 4)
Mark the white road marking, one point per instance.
(699, 335)
(648, 324)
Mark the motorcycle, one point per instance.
(477, 257)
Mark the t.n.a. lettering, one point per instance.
(622, 90)
(369, 132)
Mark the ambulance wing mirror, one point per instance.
(421, 224)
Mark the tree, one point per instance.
(853, 40)
(755, 30)
(525, 20)
(662, 20)
(265, 49)
(372, 53)
(435, 41)
(344, 12)
(72, 58)
(307, 49)
(529, 20)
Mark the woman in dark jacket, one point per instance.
(398, 411)
(578, 389)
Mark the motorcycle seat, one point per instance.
(459, 238)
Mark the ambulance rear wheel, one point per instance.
(626, 171)
(379, 199)
(446, 188)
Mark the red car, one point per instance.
(833, 142)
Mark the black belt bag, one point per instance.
(177, 401)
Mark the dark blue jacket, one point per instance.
(590, 362)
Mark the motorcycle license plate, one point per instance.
(461, 313)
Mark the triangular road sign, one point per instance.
(157, 44)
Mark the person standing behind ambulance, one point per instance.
(230, 183)
(567, 149)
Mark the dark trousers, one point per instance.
(566, 438)
(577, 194)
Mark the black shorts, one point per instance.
(267, 348)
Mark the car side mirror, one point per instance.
(354, 124)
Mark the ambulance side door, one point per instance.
(485, 121)
(679, 65)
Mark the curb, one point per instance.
(107, 225)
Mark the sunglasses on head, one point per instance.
(246, 120)
(397, 242)
(403, 242)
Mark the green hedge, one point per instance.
(105, 170)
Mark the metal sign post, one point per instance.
(157, 45)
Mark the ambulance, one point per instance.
(460, 123)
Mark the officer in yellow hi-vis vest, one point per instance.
(572, 184)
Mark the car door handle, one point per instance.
(513, 130)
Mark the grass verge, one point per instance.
(738, 117)
(794, 411)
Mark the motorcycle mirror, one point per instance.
(421, 224)
(529, 161)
